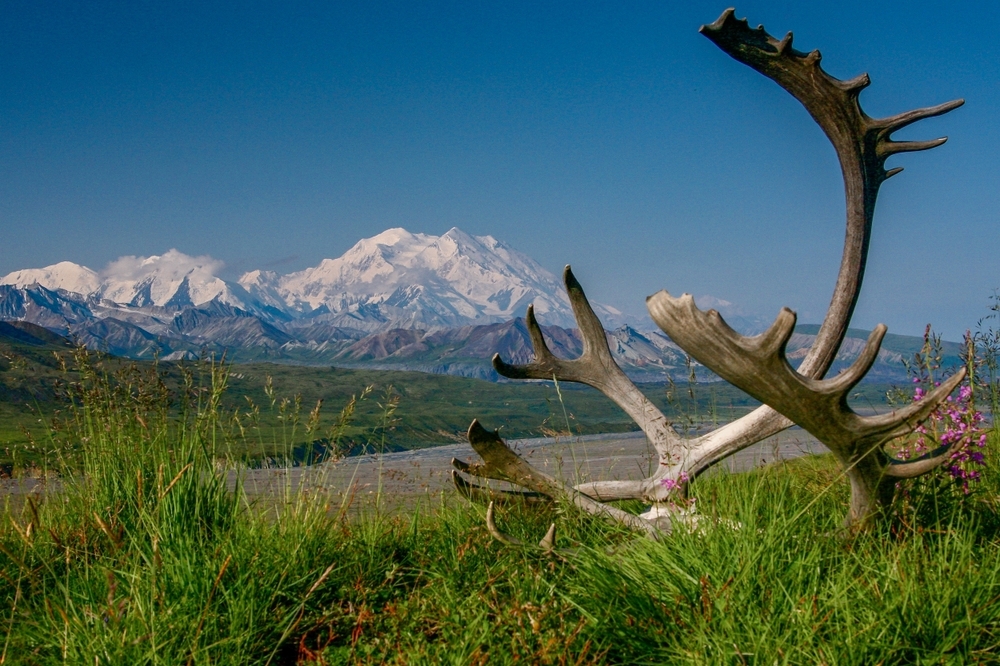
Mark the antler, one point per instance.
(758, 366)
(547, 544)
(862, 145)
(502, 463)
(595, 367)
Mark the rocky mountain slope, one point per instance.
(393, 280)
(398, 300)
(465, 350)
(175, 305)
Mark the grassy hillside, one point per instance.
(149, 556)
(36, 367)
(426, 409)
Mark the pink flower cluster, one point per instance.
(955, 424)
(672, 484)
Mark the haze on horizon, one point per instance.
(616, 139)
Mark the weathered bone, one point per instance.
(506, 464)
(759, 367)
(862, 144)
(476, 492)
(547, 544)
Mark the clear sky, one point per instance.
(611, 136)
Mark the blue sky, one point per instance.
(610, 136)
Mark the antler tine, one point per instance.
(595, 340)
(595, 367)
(758, 366)
(862, 144)
(910, 469)
(484, 470)
(478, 469)
(902, 421)
(547, 544)
(887, 148)
(899, 121)
(495, 452)
(849, 377)
(545, 365)
(585, 369)
(474, 491)
(491, 525)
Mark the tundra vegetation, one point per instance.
(152, 553)
(433, 409)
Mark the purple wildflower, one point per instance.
(955, 424)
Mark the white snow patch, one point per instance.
(64, 275)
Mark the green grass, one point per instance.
(147, 556)
(432, 409)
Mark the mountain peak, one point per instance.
(64, 275)
(392, 236)
(415, 279)
(397, 238)
(393, 279)
(172, 279)
(457, 234)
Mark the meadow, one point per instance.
(146, 556)
(428, 409)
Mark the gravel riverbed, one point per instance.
(423, 477)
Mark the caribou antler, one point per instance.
(758, 366)
(547, 544)
(862, 144)
(503, 463)
(595, 367)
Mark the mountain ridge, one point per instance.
(397, 300)
(395, 279)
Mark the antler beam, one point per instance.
(758, 366)
(503, 463)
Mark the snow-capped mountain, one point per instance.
(402, 280)
(56, 310)
(393, 280)
(171, 280)
(65, 275)
(411, 301)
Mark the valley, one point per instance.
(409, 321)
(401, 411)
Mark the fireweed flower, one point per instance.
(671, 484)
(678, 504)
(955, 424)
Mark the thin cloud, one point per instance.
(171, 265)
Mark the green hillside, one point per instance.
(907, 345)
(427, 409)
